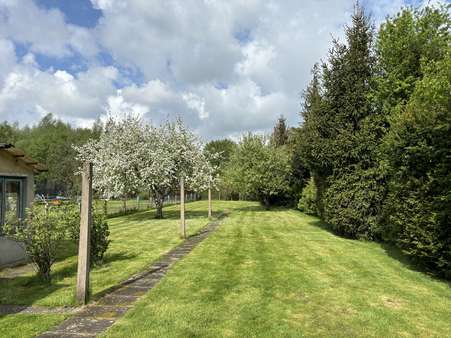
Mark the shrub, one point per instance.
(307, 202)
(70, 219)
(40, 233)
(352, 203)
(99, 237)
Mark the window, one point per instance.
(12, 199)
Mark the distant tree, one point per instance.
(259, 170)
(9, 133)
(50, 142)
(280, 132)
(224, 148)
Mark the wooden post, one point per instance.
(209, 202)
(85, 229)
(182, 208)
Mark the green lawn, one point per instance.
(137, 240)
(26, 325)
(281, 274)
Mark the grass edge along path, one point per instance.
(96, 318)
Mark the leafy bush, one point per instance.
(70, 220)
(352, 203)
(307, 202)
(40, 233)
(69, 216)
(99, 237)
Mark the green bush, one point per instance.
(70, 220)
(40, 233)
(99, 237)
(352, 203)
(307, 202)
(418, 158)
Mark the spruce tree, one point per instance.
(280, 132)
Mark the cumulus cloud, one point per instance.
(45, 31)
(28, 93)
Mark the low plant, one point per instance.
(70, 219)
(40, 233)
(307, 202)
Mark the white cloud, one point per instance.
(28, 92)
(44, 30)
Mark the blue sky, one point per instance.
(225, 67)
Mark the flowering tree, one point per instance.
(116, 157)
(157, 167)
(131, 156)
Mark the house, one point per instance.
(17, 173)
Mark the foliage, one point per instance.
(50, 142)
(418, 158)
(376, 134)
(259, 170)
(100, 233)
(224, 148)
(41, 232)
(353, 202)
(307, 202)
(69, 218)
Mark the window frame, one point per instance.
(22, 201)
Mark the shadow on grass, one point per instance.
(390, 249)
(172, 214)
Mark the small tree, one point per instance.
(259, 170)
(40, 233)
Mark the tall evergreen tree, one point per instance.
(280, 132)
(339, 135)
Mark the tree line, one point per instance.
(50, 142)
(372, 156)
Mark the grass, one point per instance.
(281, 273)
(25, 325)
(136, 241)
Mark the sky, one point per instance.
(224, 67)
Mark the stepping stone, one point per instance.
(129, 291)
(80, 325)
(64, 335)
(117, 300)
(146, 282)
(103, 312)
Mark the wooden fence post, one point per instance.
(182, 208)
(85, 229)
(209, 202)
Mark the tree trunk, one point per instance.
(124, 201)
(158, 200)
